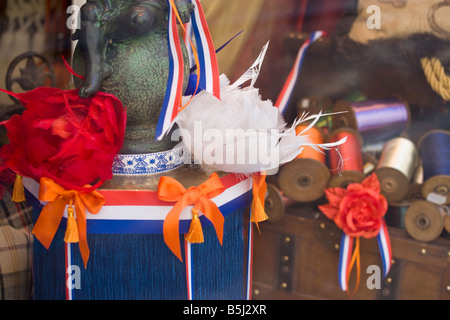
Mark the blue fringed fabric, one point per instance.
(218, 272)
(141, 267)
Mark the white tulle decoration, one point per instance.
(241, 133)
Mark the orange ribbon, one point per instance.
(170, 190)
(259, 196)
(356, 257)
(51, 215)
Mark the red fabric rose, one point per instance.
(61, 136)
(357, 210)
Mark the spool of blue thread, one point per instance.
(434, 149)
(375, 120)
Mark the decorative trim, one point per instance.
(149, 163)
(141, 212)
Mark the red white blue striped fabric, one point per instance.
(344, 260)
(137, 212)
(286, 93)
(188, 252)
(189, 263)
(189, 34)
(208, 67)
(68, 260)
(384, 244)
(172, 100)
(346, 252)
(249, 262)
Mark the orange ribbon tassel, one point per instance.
(259, 195)
(170, 190)
(51, 215)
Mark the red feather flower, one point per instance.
(357, 210)
(61, 136)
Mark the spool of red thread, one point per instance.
(346, 160)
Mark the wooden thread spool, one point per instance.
(415, 188)
(434, 149)
(396, 168)
(369, 163)
(305, 178)
(375, 120)
(276, 203)
(424, 221)
(346, 160)
(395, 217)
(447, 223)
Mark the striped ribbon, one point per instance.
(172, 99)
(384, 243)
(189, 262)
(346, 253)
(140, 212)
(208, 68)
(189, 34)
(207, 63)
(68, 254)
(286, 93)
(249, 262)
(344, 260)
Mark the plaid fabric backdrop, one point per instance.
(16, 245)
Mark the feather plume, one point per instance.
(241, 133)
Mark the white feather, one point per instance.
(241, 133)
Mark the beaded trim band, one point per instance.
(149, 163)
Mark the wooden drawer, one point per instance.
(297, 258)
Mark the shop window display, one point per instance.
(263, 149)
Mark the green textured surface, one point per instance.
(139, 80)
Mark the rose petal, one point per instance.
(335, 195)
(372, 183)
(329, 211)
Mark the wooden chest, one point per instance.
(297, 258)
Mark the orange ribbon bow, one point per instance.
(170, 190)
(51, 215)
(259, 195)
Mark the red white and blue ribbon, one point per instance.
(289, 86)
(346, 253)
(208, 68)
(249, 262)
(189, 34)
(384, 243)
(189, 263)
(172, 99)
(344, 260)
(68, 255)
(141, 212)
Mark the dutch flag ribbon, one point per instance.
(208, 68)
(346, 253)
(289, 86)
(172, 99)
